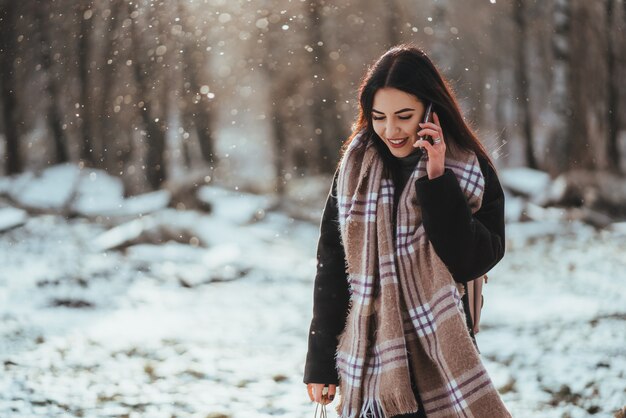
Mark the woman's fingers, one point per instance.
(309, 388)
(317, 392)
(435, 166)
(436, 119)
(431, 128)
(424, 144)
(430, 132)
(332, 389)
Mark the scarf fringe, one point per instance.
(348, 411)
(372, 409)
(375, 408)
(399, 405)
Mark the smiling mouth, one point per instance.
(399, 142)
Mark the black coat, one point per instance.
(469, 245)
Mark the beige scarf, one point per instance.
(405, 306)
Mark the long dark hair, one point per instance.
(406, 67)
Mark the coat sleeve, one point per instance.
(469, 244)
(330, 298)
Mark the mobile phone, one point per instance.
(427, 118)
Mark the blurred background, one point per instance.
(165, 163)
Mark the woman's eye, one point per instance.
(399, 117)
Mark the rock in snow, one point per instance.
(11, 217)
(122, 234)
(98, 193)
(525, 181)
(88, 192)
(236, 207)
(51, 190)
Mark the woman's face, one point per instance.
(395, 117)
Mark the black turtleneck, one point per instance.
(407, 165)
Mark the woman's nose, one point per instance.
(391, 128)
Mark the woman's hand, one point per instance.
(317, 393)
(436, 151)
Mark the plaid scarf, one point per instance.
(406, 309)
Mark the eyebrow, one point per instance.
(406, 109)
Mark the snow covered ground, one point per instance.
(216, 326)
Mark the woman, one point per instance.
(407, 224)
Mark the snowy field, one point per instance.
(216, 325)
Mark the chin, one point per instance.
(401, 152)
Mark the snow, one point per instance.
(98, 192)
(52, 189)
(513, 208)
(11, 217)
(524, 180)
(5, 185)
(144, 203)
(197, 314)
(234, 207)
(86, 192)
(619, 228)
(211, 347)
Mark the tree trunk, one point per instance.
(198, 112)
(203, 123)
(8, 48)
(588, 118)
(523, 97)
(391, 22)
(87, 152)
(53, 117)
(324, 111)
(277, 87)
(613, 88)
(559, 141)
(278, 130)
(156, 172)
(111, 160)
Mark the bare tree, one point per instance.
(84, 14)
(8, 49)
(613, 88)
(391, 22)
(197, 111)
(521, 80)
(278, 87)
(562, 132)
(588, 87)
(52, 115)
(279, 134)
(154, 124)
(104, 128)
(324, 111)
